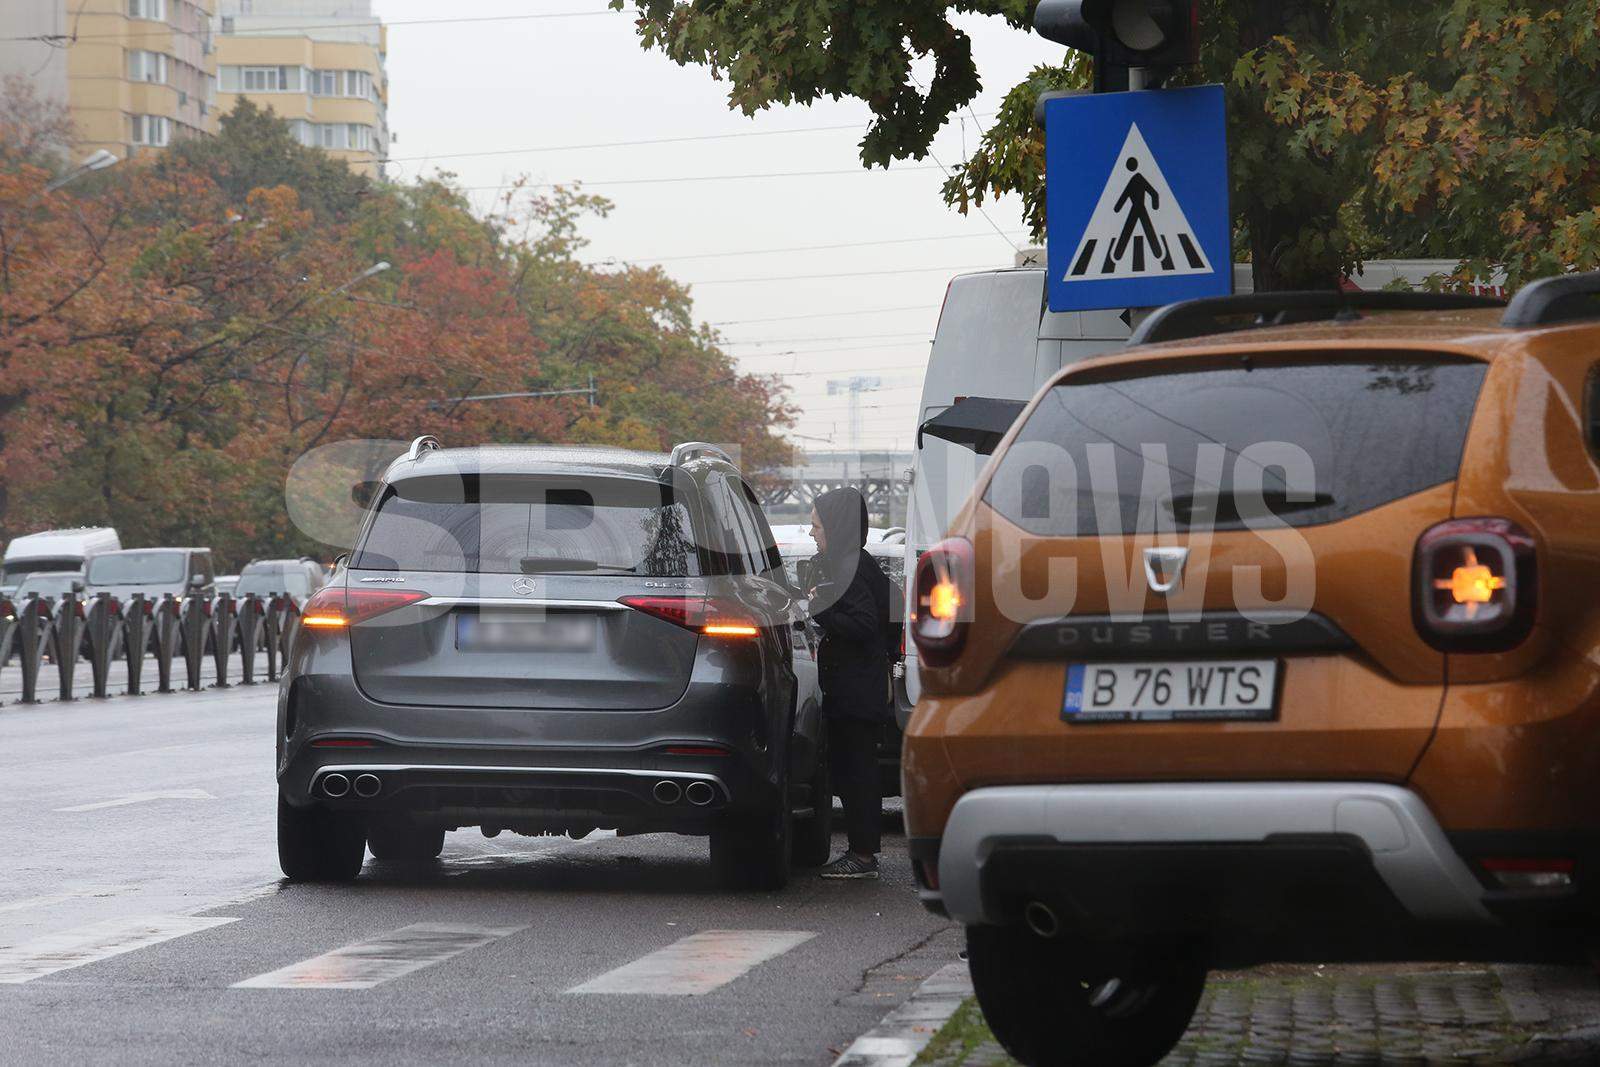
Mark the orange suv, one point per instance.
(1276, 638)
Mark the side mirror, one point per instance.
(341, 560)
(77, 585)
(197, 581)
(803, 569)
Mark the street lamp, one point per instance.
(98, 160)
(371, 272)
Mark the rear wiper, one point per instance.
(564, 564)
(1225, 508)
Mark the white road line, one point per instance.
(140, 798)
(62, 897)
(369, 963)
(696, 964)
(906, 1031)
(89, 944)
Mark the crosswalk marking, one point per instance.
(369, 963)
(99, 941)
(696, 964)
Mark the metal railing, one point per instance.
(38, 632)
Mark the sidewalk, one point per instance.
(1469, 1014)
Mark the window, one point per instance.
(270, 79)
(511, 524)
(147, 66)
(769, 559)
(148, 9)
(153, 130)
(136, 568)
(325, 82)
(1307, 442)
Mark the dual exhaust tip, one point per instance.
(697, 792)
(365, 786)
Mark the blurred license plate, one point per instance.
(553, 633)
(1245, 689)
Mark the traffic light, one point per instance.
(1151, 35)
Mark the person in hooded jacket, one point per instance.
(850, 602)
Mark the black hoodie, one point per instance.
(851, 604)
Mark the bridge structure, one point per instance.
(787, 493)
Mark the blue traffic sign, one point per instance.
(1136, 198)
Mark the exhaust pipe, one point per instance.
(335, 785)
(1041, 919)
(667, 792)
(367, 786)
(700, 794)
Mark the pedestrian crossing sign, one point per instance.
(1136, 198)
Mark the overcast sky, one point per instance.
(478, 87)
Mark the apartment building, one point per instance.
(319, 64)
(134, 75)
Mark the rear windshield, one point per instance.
(266, 581)
(17, 568)
(136, 568)
(519, 525)
(1304, 443)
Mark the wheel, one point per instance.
(1067, 1002)
(317, 845)
(813, 835)
(753, 852)
(399, 840)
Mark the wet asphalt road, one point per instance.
(139, 885)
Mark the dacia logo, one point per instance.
(1163, 568)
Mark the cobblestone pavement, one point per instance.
(1340, 1016)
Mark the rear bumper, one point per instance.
(527, 790)
(1407, 850)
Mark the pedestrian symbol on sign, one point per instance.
(1137, 229)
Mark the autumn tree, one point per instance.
(1461, 129)
(174, 334)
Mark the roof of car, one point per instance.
(524, 459)
(154, 548)
(1472, 332)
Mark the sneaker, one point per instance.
(849, 867)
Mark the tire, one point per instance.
(813, 836)
(754, 852)
(317, 845)
(1038, 997)
(399, 840)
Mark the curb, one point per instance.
(906, 1031)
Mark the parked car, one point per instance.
(226, 584)
(1368, 730)
(266, 578)
(549, 640)
(53, 550)
(153, 572)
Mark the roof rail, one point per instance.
(1197, 318)
(688, 450)
(1564, 298)
(426, 443)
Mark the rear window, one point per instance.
(1307, 443)
(519, 525)
(136, 568)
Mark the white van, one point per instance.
(54, 550)
(995, 346)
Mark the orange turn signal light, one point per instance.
(944, 601)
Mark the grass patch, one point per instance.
(959, 1037)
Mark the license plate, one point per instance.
(554, 633)
(1239, 690)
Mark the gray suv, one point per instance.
(552, 640)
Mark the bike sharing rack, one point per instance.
(173, 629)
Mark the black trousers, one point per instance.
(853, 759)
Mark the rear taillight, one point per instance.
(941, 604)
(707, 615)
(1476, 585)
(334, 607)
